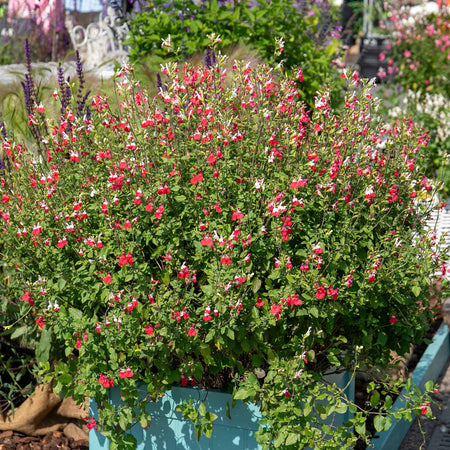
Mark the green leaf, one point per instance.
(19, 332)
(207, 289)
(65, 379)
(256, 285)
(375, 399)
(123, 423)
(429, 385)
(388, 402)
(314, 312)
(241, 394)
(145, 419)
(130, 441)
(382, 338)
(341, 409)
(382, 423)
(360, 428)
(416, 290)
(165, 277)
(43, 346)
(291, 439)
(198, 432)
(75, 313)
(202, 409)
(211, 417)
(230, 334)
(61, 283)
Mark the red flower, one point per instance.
(197, 178)
(226, 260)
(393, 319)
(259, 302)
(424, 408)
(275, 310)
(107, 279)
(123, 260)
(105, 382)
(298, 183)
(149, 330)
(126, 373)
(237, 215)
(27, 298)
(207, 242)
(192, 331)
(91, 424)
(321, 292)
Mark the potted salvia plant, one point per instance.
(221, 236)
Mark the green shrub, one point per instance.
(308, 32)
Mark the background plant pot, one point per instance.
(168, 430)
(369, 55)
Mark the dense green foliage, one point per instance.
(310, 39)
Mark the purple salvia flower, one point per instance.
(27, 48)
(3, 129)
(62, 89)
(208, 57)
(67, 93)
(158, 82)
(80, 100)
(213, 58)
(82, 103)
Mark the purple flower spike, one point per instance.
(208, 57)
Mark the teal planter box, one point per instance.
(168, 430)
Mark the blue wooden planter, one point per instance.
(168, 430)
